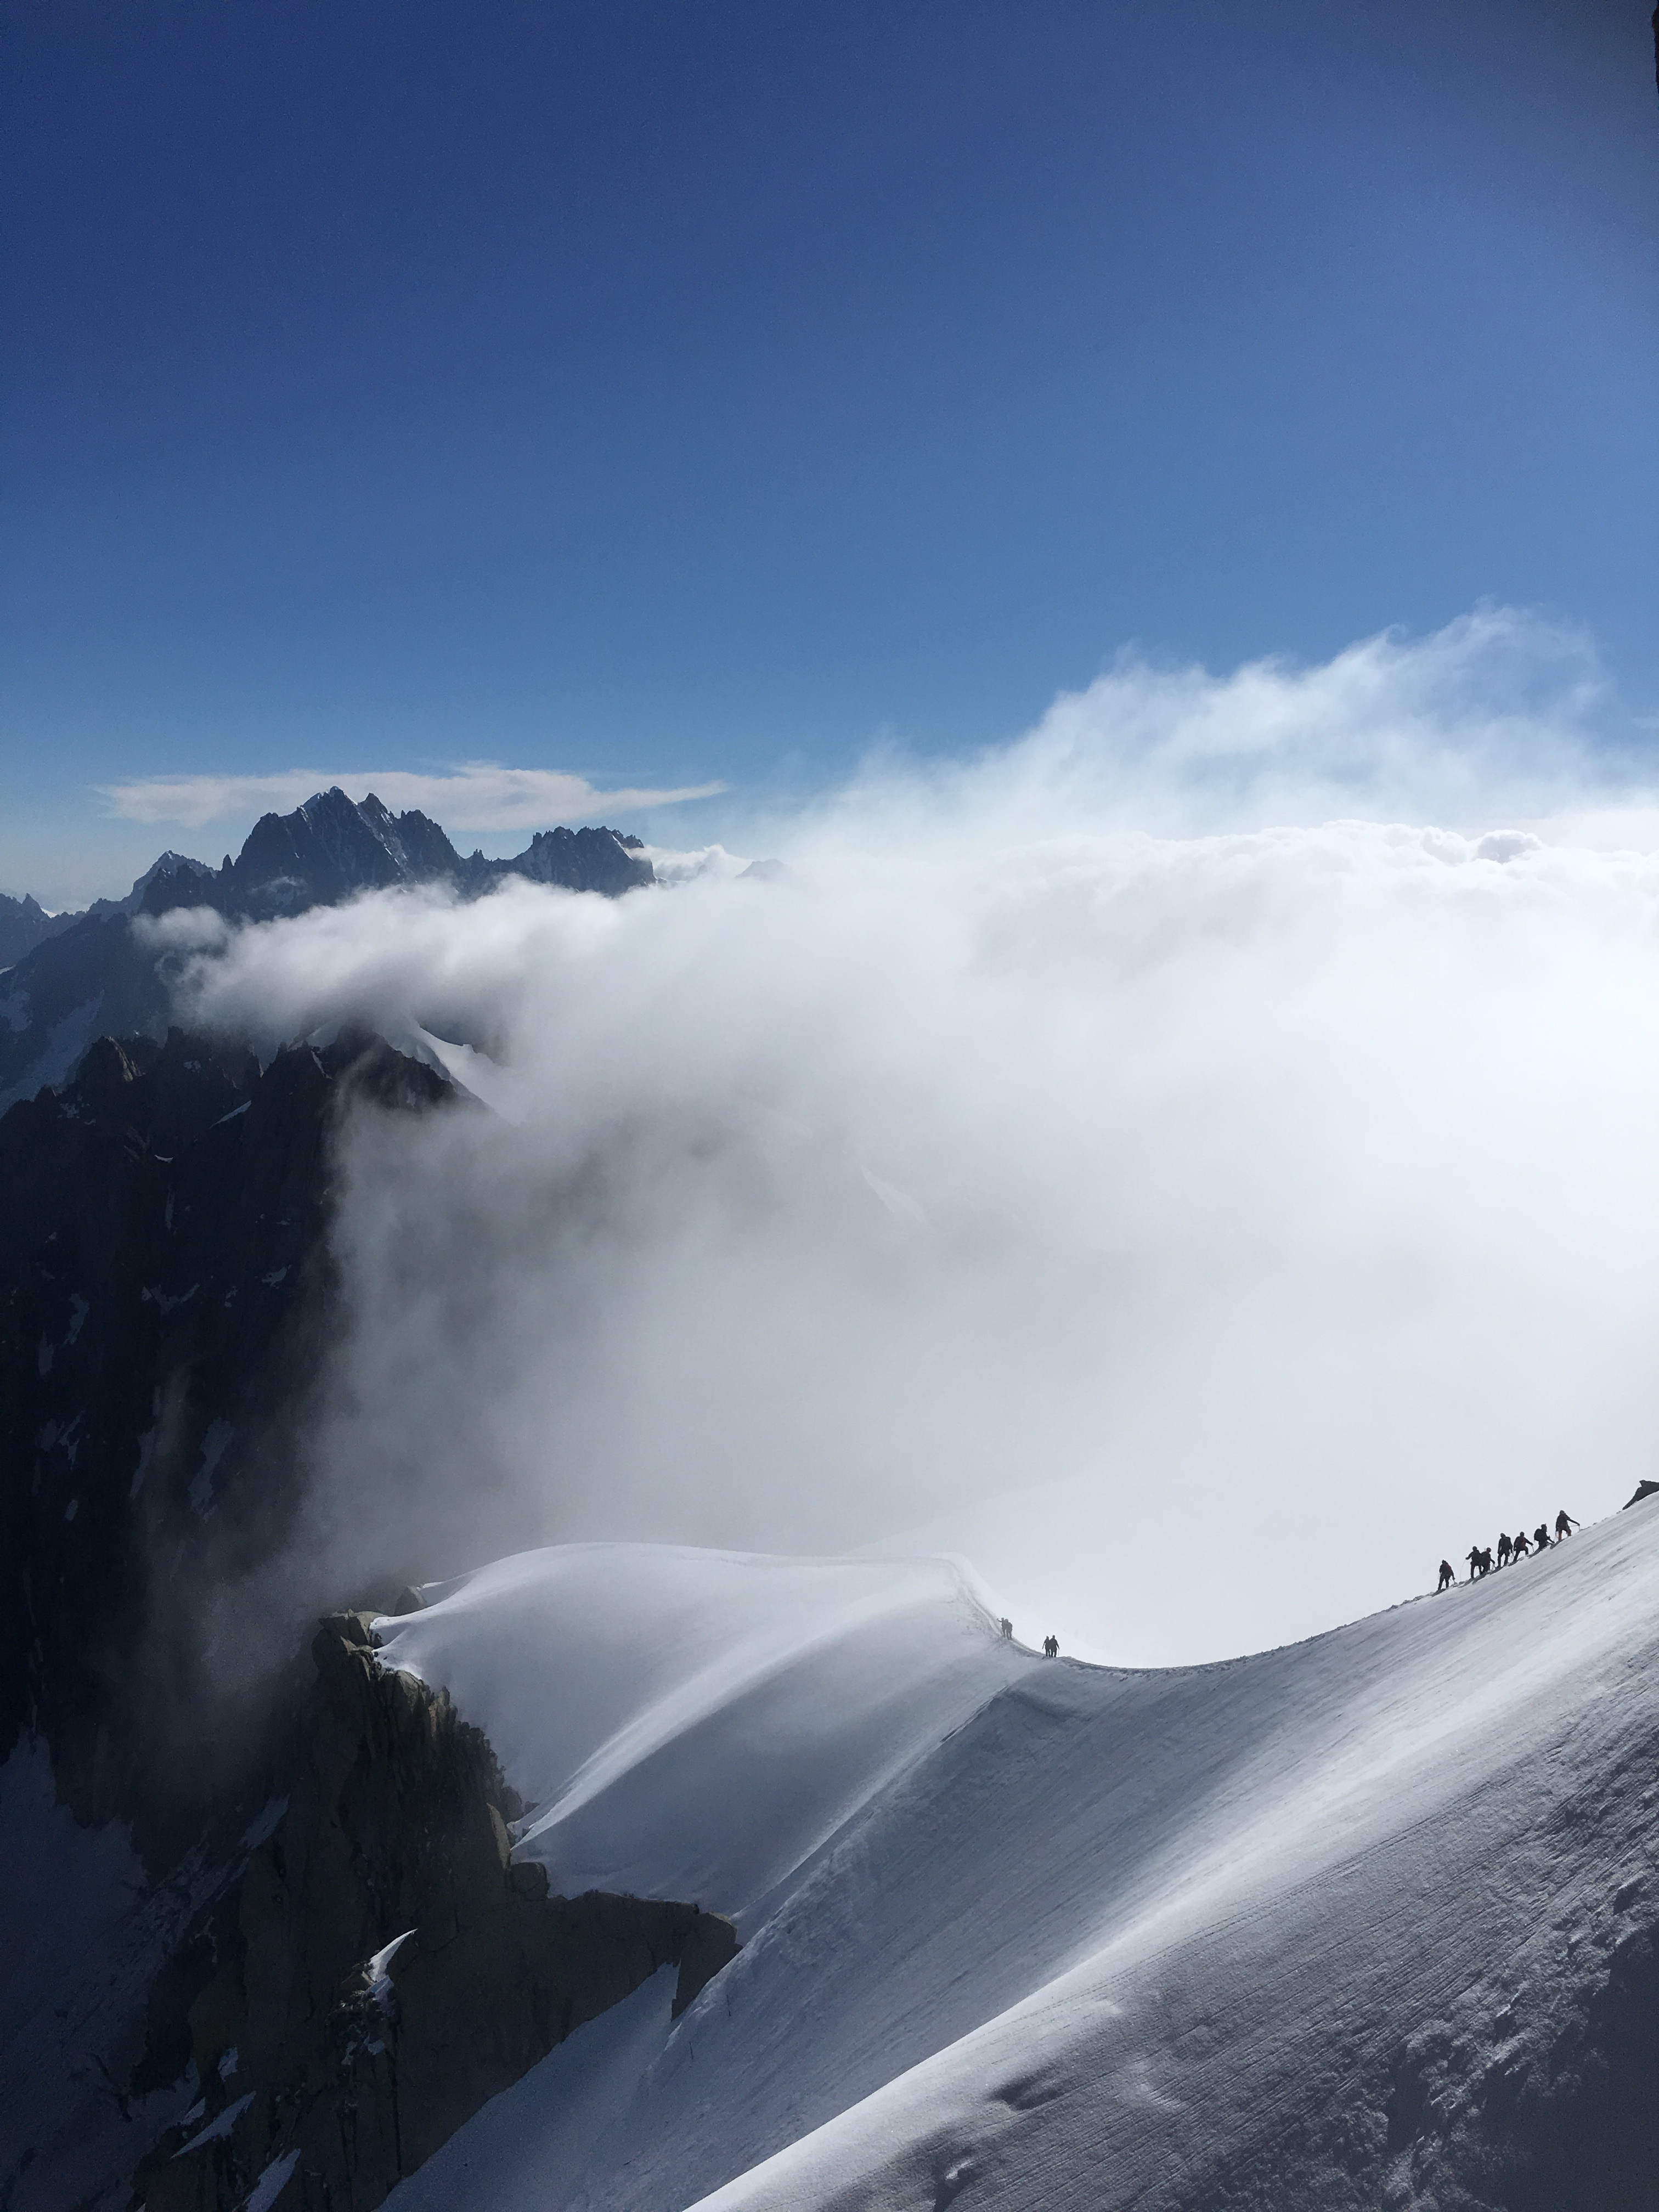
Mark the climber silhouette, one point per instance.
(1474, 1561)
(1051, 1647)
(1447, 1575)
(1540, 1536)
(1564, 1524)
(1521, 1545)
(1504, 1548)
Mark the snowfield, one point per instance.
(1364, 1921)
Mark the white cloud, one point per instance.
(1498, 713)
(1203, 1211)
(475, 795)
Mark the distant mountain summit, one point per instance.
(170, 868)
(333, 848)
(66, 978)
(328, 849)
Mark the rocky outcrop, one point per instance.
(390, 1966)
(1643, 1489)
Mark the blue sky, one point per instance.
(673, 395)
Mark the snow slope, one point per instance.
(1344, 1924)
(697, 1724)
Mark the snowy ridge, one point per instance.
(633, 1688)
(1320, 1927)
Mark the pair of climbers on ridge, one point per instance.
(1006, 1630)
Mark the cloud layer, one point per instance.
(1162, 1158)
(475, 795)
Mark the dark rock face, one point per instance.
(1643, 1489)
(389, 1968)
(165, 1300)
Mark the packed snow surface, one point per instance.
(1022, 1932)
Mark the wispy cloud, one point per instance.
(473, 795)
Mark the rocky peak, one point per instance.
(174, 879)
(327, 850)
(583, 860)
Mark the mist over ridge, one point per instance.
(1195, 1160)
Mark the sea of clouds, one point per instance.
(1197, 1160)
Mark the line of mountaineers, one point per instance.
(1481, 1562)
(1510, 1549)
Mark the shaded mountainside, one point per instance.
(87, 975)
(165, 1297)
